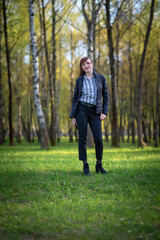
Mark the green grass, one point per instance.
(43, 194)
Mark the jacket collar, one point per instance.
(94, 73)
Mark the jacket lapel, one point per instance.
(80, 85)
(97, 80)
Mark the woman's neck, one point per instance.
(89, 75)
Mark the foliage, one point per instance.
(69, 18)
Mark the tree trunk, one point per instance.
(24, 129)
(157, 100)
(29, 101)
(91, 24)
(131, 120)
(117, 48)
(11, 137)
(115, 137)
(19, 130)
(144, 130)
(159, 124)
(18, 101)
(40, 116)
(91, 40)
(140, 85)
(59, 85)
(72, 79)
(149, 127)
(128, 131)
(121, 127)
(2, 139)
(18, 94)
(124, 122)
(53, 64)
(70, 131)
(99, 48)
(42, 67)
(106, 132)
(53, 141)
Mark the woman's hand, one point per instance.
(102, 117)
(74, 123)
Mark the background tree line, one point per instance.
(41, 43)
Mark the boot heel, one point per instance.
(99, 168)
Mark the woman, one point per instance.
(88, 107)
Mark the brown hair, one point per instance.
(84, 59)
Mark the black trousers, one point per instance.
(84, 116)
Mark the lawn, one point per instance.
(44, 195)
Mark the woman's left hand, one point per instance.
(102, 117)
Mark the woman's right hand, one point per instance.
(74, 123)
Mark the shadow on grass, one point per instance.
(49, 180)
(30, 193)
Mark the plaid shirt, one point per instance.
(89, 91)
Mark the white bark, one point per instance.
(41, 119)
(91, 24)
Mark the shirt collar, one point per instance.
(88, 78)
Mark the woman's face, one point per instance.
(87, 66)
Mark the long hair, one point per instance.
(84, 59)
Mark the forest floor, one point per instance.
(44, 195)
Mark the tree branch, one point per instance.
(84, 11)
(118, 12)
(99, 7)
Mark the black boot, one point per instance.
(99, 168)
(86, 169)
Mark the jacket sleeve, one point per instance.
(74, 100)
(105, 97)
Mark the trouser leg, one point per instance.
(82, 121)
(95, 124)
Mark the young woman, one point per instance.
(90, 105)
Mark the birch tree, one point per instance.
(91, 25)
(45, 97)
(40, 116)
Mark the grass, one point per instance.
(43, 194)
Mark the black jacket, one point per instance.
(102, 91)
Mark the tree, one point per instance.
(40, 116)
(59, 86)
(45, 95)
(53, 63)
(131, 120)
(1, 95)
(11, 138)
(128, 22)
(72, 79)
(51, 70)
(115, 137)
(157, 99)
(91, 25)
(139, 90)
